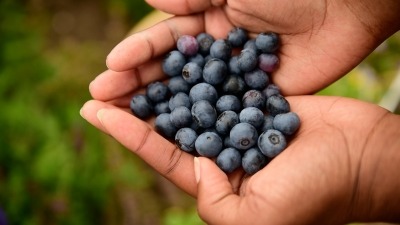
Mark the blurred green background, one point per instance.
(55, 168)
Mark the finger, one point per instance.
(141, 139)
(153, 42)
(216, 201)
(184, 7)
(111, 85)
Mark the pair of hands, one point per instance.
(332, 171)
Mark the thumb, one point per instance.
(216, 201)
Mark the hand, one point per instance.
(332, 172)
(321, 40)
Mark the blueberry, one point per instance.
(178, 84)
(268, 62)
(198, 59)
(229, 160)
(251, 45)
(215, 71)
(203, 91)
(270, 90)
(271, 143)
(141, 106)
(228, 102)
(221, 49)
(180, 99)
(181, 117)
(268, 123)
(253, 161)
(204, 114)
(233, 65)
(162, 107)
(234, 85)
(287, 123)
(267, 42)
(205, 41)
(247, 60)
(243, 136)
(185, 139)
(187, 45)
(164, 126)
(253, 98)
(227, 142)
(256, 79)
(208, 144)
(173, 63)
(237, 37)
(192, 73)
(277, 104)
(226, 121)
(253, 116)
(157, 91)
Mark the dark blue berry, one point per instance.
(208, 144)
(234, 85)
(181, 117)
(157, 91)
(203, 91)
(141, 106)
(243, 136)
(256, 79)
(192, 73)
(251, 45)
(233, 65)
(237, 37)
(204, 114)
(162, 107)
(253, 98)
(247, 60)
(198, 59)
(205, 41)
(267, 42)
(173, 63)
(268, 123)
(221, 49)
(178, 84)
(180, 99)
(287, 123)
(253, 116)
(229, 160)
(270, 90)
(228, 102)
(185, 139)
(253, 161)
(226, 121)
(271, 143)
(215, 71)
(164, 126)
(277, 104)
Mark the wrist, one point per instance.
(376, 193)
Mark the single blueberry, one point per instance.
(173, 63)
(270, 90)
(141, 106)
(267, 42)
(208, 144)
(251, 44)
(226, 121)
(205, 41)
(253, 116)
(287, 123)
(243, 136)
(237, 37)
(204, 114)
(277, 104)
(157, 91)
(228, 102)
(221, 49)
(185, 139)
(164, 126)
(229, 160)
(187, 45)
(253, 161)
(162, 107)
(178, 84)
(247, 60)
(203, 91)
(256, 79)
(233, 65)
(227, 142)
(268, 123)
(198, 59)
(180, 99)
(234, 85)
(192, 73)
(271, 143)
(268, 62)
(215, 71)
(181, 117)
(253, 98)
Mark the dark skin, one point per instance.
(332, 172)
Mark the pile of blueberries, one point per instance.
(219, 101)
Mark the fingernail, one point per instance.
(197, 169)
(99, 115)
(81, 113)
